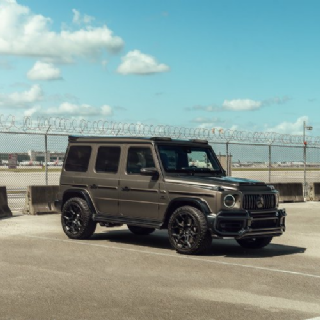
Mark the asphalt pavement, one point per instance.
(117, 275)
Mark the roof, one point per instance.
(101, 139)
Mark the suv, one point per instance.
(161, 183)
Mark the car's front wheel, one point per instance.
(254, 243)
(188, 231)
(76, 219)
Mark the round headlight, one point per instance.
(229, 201)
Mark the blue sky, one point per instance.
(240, 65)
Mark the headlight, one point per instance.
(229, 201)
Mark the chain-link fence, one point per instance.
(32, 152)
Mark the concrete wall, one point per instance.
(290, 192)
(4, 209)
(40, 200)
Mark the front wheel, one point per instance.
(76, 219)
(254, 243)
(188, 231)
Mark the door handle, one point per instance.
(94, 186)
(125, 189)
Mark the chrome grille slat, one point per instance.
(250, 201)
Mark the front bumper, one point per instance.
(246, 224)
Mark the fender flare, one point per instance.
(178, 202)
(81, 193)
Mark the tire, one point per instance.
(188, 231)
(140, 231)
(76, 219)
(254, 243)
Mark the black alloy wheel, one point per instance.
(76, 219)
(188, 231)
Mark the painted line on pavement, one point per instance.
(79, 242)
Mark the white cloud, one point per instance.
(293, 128)
(79, 19)
(67, 109)
(24, 33)
(30, 112)
(22, 99)
(139, 63)
(44, 71)
(241, 105)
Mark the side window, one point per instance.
(139, 158)
(108, 159)
(78, 158)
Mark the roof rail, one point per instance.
(161, 139)
(199, 141)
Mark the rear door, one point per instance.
(104, 179)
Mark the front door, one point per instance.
(139, 194)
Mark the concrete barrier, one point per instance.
(289, 191)
(314, 191)
(4, 208)
(40, 200)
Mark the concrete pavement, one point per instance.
(117, 275)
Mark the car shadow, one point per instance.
(221, 248)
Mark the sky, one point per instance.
(242, 65)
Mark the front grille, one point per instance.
(258, 201)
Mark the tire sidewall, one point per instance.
(202, 227)
(88, 226)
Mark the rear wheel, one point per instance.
(188, 231)
(254, 243)
(76, 219)
(141, 231)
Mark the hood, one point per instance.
(224, 182)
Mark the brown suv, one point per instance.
(161, 183)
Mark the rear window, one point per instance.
(108, 159)
(78, 158)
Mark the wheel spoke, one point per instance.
(184, 230)
(72, 218)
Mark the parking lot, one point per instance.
(117, 275)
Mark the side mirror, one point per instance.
(153, 172)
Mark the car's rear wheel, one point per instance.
(76, 219)
(254, 243)
(188, 231)
(140, 231)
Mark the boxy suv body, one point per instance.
(160, 183)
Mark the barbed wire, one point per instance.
(62, 125)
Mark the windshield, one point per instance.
(181, 159)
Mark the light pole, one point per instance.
(305, 127)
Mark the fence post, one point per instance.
(227, 157)
(269, 162)
(46, 155)
(304, 172)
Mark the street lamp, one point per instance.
(305, 127)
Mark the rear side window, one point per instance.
(78, 158)
(108, 159)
